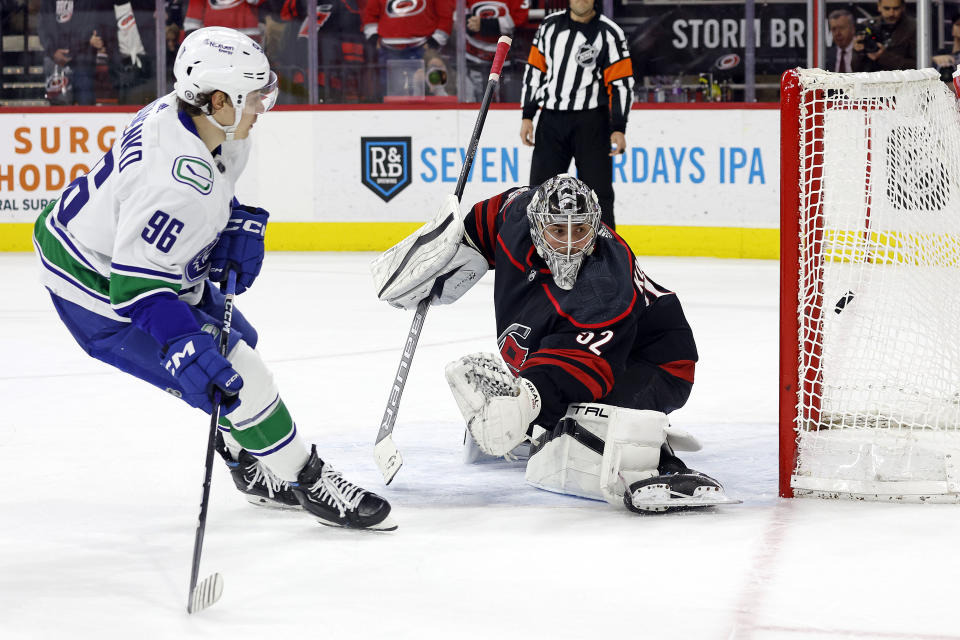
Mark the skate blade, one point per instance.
(276, 505)
(387, 524)
(659, 498)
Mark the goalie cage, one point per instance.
(870, 286)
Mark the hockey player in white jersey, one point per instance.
(129, 252)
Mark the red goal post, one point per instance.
(869, 286)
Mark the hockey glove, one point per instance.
(194, 361)
(240, 247)
(497, 407)
(434, 254)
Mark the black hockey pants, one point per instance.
(583, 136)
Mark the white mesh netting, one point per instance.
(878, 410)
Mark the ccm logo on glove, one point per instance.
(174, 362)
(254, 227)
(240, 247)
(197, 365)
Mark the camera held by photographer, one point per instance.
(886, 42)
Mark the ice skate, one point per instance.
(674, 492)
(256, 482)
(676, 488)
(337, 502)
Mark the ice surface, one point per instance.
(102, 475)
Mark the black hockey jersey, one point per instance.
(578, 345)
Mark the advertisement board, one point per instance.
(684, 167)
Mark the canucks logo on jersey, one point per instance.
(198, 267)
(194, 172)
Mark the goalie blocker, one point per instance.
(433, 262)
(596, 451)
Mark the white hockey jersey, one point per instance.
(143, 220)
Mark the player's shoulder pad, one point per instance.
(179, 160)
(604, 292)
(516, 193)
(514, 207)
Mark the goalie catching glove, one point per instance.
(433, 262)
(497, 407)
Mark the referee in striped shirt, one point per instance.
(580, 77)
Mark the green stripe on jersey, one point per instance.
(55, 253)
(267, 433)
(123, 288)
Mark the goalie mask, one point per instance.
(564, 219)
(221, 59)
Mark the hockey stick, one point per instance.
(209, 590)
(385, 450)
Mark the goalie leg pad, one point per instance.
(681, 440)
(596, 450)
(261, 424)
(566, 460)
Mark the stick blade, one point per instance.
(388, 458)
(206, 593)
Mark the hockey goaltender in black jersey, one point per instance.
(616, 337)
(593, 354)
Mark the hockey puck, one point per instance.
(843, 302)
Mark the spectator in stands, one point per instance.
(344, 74)
(71, 33)
(486, 22)
(133, 59)
(405, 35)
(343, 55)
(893, 43)
(949, 55)
(174, 36)
(842, 29)
(242, 15)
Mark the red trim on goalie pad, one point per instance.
(683, 369)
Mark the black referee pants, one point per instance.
(583, 136)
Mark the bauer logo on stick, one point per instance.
(385, 165)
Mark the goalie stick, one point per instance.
(209, 590)
(385, 450)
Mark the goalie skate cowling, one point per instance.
(675, 492)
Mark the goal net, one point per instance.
(870, 286)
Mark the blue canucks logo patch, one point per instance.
(198, 267)
(385, 165)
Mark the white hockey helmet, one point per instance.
(564, 200)
(221, 59)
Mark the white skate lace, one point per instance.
(337, 491)
(271, 482)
